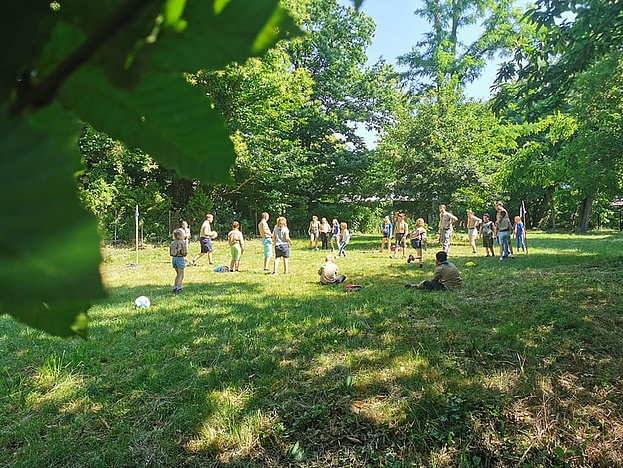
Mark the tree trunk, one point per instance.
(547, 209)
(550, 202)
(585, 213)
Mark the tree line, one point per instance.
(293, 116)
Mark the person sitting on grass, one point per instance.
(328, 272)
(446, 275)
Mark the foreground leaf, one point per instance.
(164, 116)
(49, 245)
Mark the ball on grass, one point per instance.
(470, 264)
(142, 301)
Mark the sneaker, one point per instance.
(177, 290)
(191, 263)
(410, 285)
(411, 259)
(513, 257)
(421, 265)
(501, 258)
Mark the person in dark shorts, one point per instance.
(487, 228)
(206, 234)
(282, 241)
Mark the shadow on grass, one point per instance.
(381, 376)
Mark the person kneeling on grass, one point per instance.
(446, 275)
(328, 272)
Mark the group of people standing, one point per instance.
(501, 230)
(336, 235)
(179, 248)
(417, 236)
(395, 236)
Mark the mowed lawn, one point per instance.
(521, 367)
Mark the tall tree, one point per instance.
(567, 37)
(348, 94)
(442, 58)
(593, 159)
(446, 150)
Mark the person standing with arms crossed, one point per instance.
(314, 232)
(446, 220)
(267, 239)
(206, 234)
(325, 230)
(236, 244)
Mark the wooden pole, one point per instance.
(136, 214)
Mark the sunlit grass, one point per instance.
(520, 367)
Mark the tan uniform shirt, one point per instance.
(328, 273)
(448, 275)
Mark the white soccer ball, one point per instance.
(142, 301)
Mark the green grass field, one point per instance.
(521, 367)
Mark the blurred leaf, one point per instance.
(49, 255)
(24, 31)
(213, 38)
(165, 116)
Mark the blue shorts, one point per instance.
(504, 236)
(267, 242)
(282, 250)
(416, 243)
(178, 263)
(206, 245)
